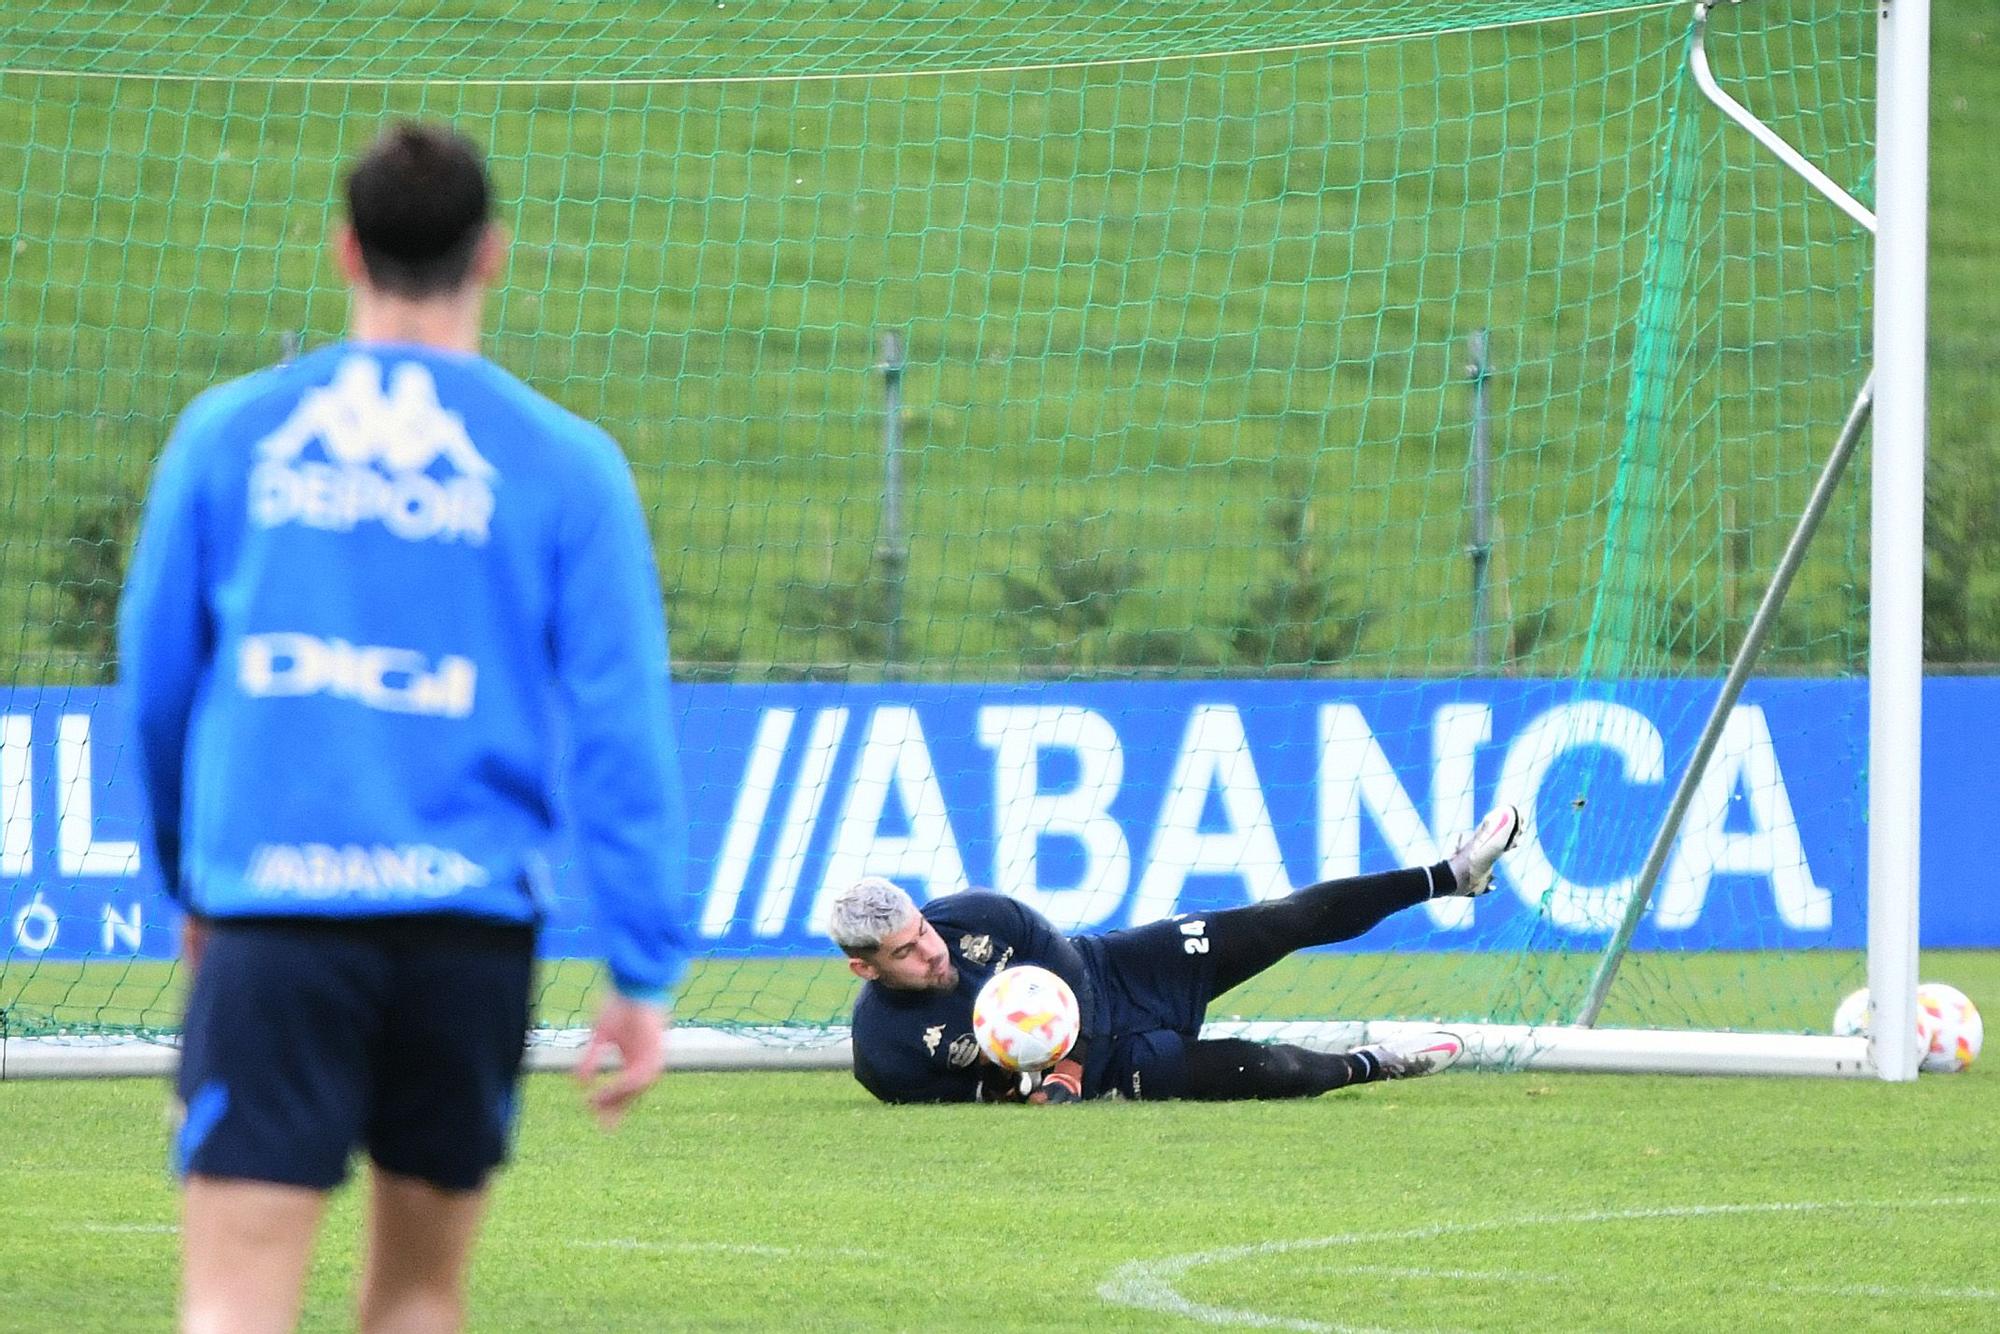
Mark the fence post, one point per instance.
(892, 545)
(1481, 549)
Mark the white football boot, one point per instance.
(1472, 861)
(1418, 1054)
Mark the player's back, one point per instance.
(384, 536)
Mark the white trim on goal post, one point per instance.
(1896, 534)
(690, 1047)
(1492, 1046)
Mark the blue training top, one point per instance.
(381, 596)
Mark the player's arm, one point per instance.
(166, 637)
(610, 645)
(894, 1065)
(936, 1086)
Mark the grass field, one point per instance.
(781, 1202)
(1473, 1201)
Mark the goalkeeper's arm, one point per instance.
(1040, 943)
(1061, 1082)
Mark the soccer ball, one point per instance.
(1956, 1028)
(1025, 1018)
(1949, 1029)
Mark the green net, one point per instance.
(1182, 302)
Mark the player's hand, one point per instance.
(194, 941)
(1061, 1082)
(638, 1030)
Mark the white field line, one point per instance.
(1148, 1285)
(610, 1243)
(1522, 1276)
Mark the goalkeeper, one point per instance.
(1143, 991)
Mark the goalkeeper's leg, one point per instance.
(1243, 942)
(1246, 941)
(1220, 1068)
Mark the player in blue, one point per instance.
(385, 599)
(1143, 991)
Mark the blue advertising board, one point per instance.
(1116, 803)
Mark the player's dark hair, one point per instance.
(419, 201)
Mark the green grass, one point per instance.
(764, 1202)
(1159, 295)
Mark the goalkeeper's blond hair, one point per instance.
(868, 910)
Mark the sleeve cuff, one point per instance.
(655, 992)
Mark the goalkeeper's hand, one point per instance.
(1061, 1082)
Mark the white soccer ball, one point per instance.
(1025, 1018)
(1855, 1016)
(1956, 1028)
(1949, 1029)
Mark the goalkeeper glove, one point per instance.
(1063, 1082)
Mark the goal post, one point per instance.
(1895, 655)
(1066, 479)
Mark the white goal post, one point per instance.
(1489, 1046)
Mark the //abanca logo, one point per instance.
(352, 454)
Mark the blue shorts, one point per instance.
(1154, 985)
(306, 1040)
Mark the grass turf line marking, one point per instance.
(1522, 1276)
(732, 1248)
(1147, 1285)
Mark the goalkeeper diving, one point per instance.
(1143, 991)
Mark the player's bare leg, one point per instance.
(245, 1246)
(419, 1254)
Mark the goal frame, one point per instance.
(1895, 666)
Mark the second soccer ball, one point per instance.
(1949, 1029)
(1025, 1018)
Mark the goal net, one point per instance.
(1138, 459)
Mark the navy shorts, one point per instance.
(307, 1040)
(1154, 985)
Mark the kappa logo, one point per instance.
(976, 949)
(932, 1036)
(964, 1050)
(352, 454)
